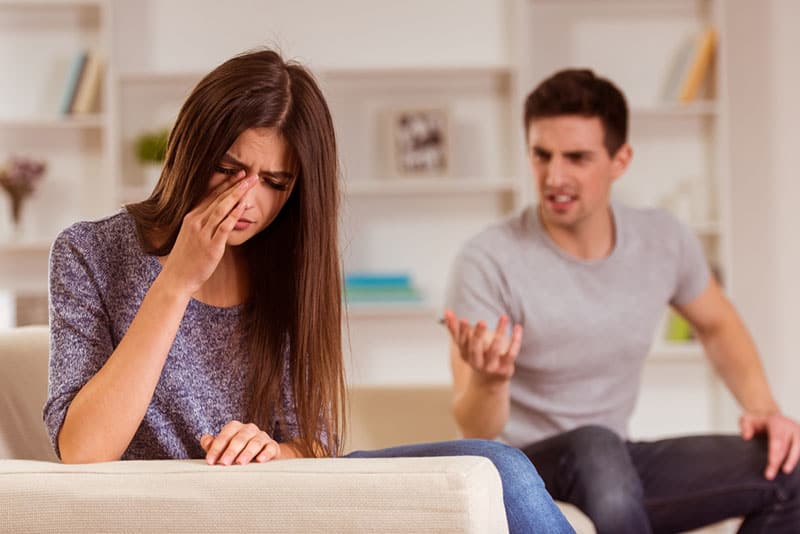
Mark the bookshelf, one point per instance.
(388, 223)
(680, 155)
(38, 42)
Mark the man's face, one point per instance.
(572, 169)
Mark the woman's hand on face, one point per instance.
(204, 232)
(239, 443)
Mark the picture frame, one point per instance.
(420, 142)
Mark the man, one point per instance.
(584, 283)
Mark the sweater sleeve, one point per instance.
(80, 335)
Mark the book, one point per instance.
(89, 85)
(376, 279)
(72, 80)
(700, 66)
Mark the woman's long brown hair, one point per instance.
(294, 307)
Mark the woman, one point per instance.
(218, 298)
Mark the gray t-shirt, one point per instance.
(99, 276)
(588, 325)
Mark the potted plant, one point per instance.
(151, 148)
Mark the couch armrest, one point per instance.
(444, 494)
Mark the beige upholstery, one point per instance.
(355, 495)
(23, 390)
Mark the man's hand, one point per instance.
(492, 354)
(783, 435)
(240, 443)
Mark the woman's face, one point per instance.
(260, 152)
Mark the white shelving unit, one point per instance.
(680, 159)
(416, 225)
(38, 40)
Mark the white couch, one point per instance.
(38, 494)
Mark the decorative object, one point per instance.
(151, 149)
(19, 178)
(420, 142)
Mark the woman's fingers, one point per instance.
(239, 443)
(255, 446)
(225, 203)
(270, 451)
(218, 190)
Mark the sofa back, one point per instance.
(24, 353)
(380, 416)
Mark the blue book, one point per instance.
(374, 279)
(73, 78)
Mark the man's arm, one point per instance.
(731, 350)
(482, 362)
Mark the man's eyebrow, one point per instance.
(286, 175)
(578, 153)
(541, 151)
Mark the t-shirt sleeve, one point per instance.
(693, 274)
(476, 288)
(80, 336)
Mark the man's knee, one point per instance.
(595, 449)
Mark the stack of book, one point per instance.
(692, 68)
(82, 86)
(380, 288)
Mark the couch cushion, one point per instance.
(24, 354)
(447, 494)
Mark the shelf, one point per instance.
(676, 110)
(391, 310)
(154, 77)
(450, 71)
(93, 121)
(51, 3)
(674, 351)
(423, 186)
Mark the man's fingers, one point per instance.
(205, 441)
(476, 356)
(746, 427)
(464, 332)
(793, 456)
(451, 322)
(497, 346)
(777, 452)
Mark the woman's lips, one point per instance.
(241, 224)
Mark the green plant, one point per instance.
(151, 147)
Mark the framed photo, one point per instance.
(420, 142)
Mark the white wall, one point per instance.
(189, 35)
(765, 112)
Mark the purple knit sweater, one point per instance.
(98, 278)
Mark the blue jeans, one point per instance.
(669, 485)
(529, 508)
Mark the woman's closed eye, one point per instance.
(228, 171)
(279, 183)
(275, 182)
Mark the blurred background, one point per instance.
(426, 98)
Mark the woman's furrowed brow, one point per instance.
(286, 175)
